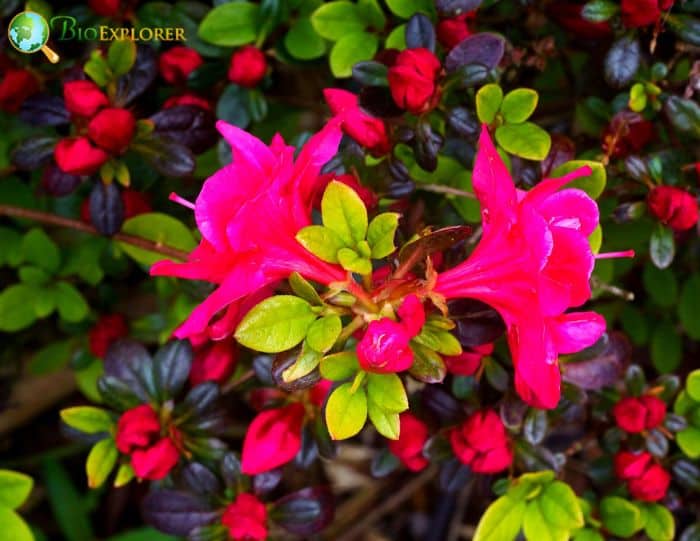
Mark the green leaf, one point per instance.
(692, 385)
(17, 310)
(121, 56)
(689, 442)
(339, 366)
(324, 332)
(439, 340)
(662, 247)
(143, 534)
(519, 104)
(320, 241)
(39, 249)
(593, 184)
(159, 228)
(10, 247)
(346, 412)
(488, 102)
(125, 473)
(662, 286)
(428, 366)
(276, 324)
(659, 525)
(334, 20)
(407, 8)
(100, 462)
(350, 260)
(13, 526)
(689, 308)
(351, 49)
(97, 69)
(385, 421)
(396, 38)
(230, 24)
(501, 521)
(303, 42)
(587, 534)
(51, 357)
(598, 11)
(560, 506)
(537, 528)
(305, 363)
(526, 140)
(87, 378)
(666, 347)
(67, 504)
(14, 488)
(344, 213)
(372, 12)
(302, 288)
(381, 232)
(387, 391)
(70, 302)
(88, 419)
(638, 98)
(33, 275)
(620, 517)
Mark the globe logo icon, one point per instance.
(28, 33)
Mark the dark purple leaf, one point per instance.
(189, 125)
(106, 208)
(426, 145)
(231, 470)
(304, 512)
(130, 363)
(266, 482)
(477, 323)
(202, 397)
(513, 411)
(401, 188)
(117, 394)
(399, 171)
(141, 76)
(463, 121)
(309, 450)
(283, 361)
(622, 62)
(58, 183)
(168, 157)
(383, 463)
(454, 475)
(199, 479)
(33, 152)
(435, 241)
(176, 513)
(441, 403)
(44, 110)
(535, 426)
(484, 48)
(420, 33)
(171, 367)
(452, 8)
(370, 73)
(602, 370)
(563, 149)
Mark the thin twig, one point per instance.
(60, 221)
(449, 190)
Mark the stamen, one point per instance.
(613, 255)
(177, 199)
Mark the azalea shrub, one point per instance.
(354, 269)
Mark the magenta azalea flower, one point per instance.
(249, 213)
(533, 262)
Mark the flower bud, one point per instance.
(77, 156)
(177, 63)
(452, 31)
(481, 443)
(213, 362)
(112, 129)
(673, 206)
(188, 98)
(108, 329)
(384, 347)
(248, 66)
(638, 13)
(16, 85)
(646, 480)
(105, 8)
(246, 519)
(412, 80)
(637, 414)
(83, 98)
(413, 434)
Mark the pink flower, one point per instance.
(646, 480)
(413, 80)
(469, 361)
(213, 362)
(273, 439)
(246, 519)
(385, 348)
(248, 214)
(481, 443)
(368, 131)
(532, 263)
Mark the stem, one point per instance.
(359, 378)
(437, 188)
(361, 296)
(351, 327)
(52, 219)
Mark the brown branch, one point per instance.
(448, 190)
(60, 221)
